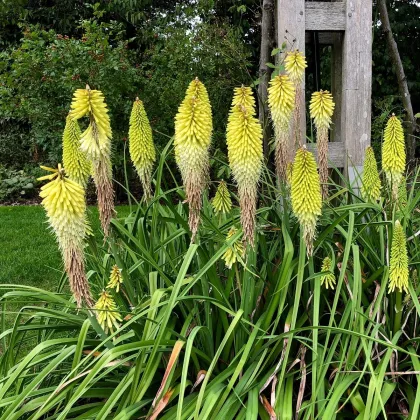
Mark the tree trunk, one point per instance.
(402, 80)
(267, 39)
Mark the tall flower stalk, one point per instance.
(142, 148)
(393, 154)
(77, 166)
(281, 100)
(371, 183)
(295, 65)
(306, 195)
(96, 143)
(193, 130)
(398, 270)
(245, 153)
(64, 202)
(321, 109)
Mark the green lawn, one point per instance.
(28, 250)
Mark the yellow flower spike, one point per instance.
(245, 153)
(142, 148)
(281, 100)
(115, 279)
(107, 312)
(235, 251)
(371, 183)
(306, 195)
(295, 65)
(221, 202)
(96, 143)
(77, 166)
(328, 279)
(64, 202)
(321, 109)
(193, 130)
(393, 154)
(243, 96)
(398, 270)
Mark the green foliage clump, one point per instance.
(16, 184)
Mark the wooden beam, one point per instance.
(291, 30)
(336, 153)
(323, 16)
(357, 84)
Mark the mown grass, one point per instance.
(29, 253)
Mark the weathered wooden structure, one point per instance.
(347, 26)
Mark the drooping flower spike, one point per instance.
(96, 143)
(77, 166)
(245, 153)
(306, 195)
(235, 251)
(115, 279)
(222, 202)
(107, 312)
(328, 279)
(64, 202)
(371, 183)
(193, 130)
(142, 148)
(393, 154)
(295, 64)
(281, 100)
(321, 109)
(398, 270)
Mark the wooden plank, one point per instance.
(291, 29)
(357, 84)
(336, 153)
(323, 16)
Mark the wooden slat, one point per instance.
(324, 38)
(336, 153)
(357, 83)
(291, 29)
(323, 16)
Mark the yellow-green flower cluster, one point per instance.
(245, 153)
(398, 271)
(64, 202)
(281, 100)
(371, 183)
(107, 312)
(295, 65)
(328, 278)
(393, 154)
(306, 195)
(142, 148)
(96, 140)
(115, 279)
(193, 130)
(321, 108)
(96, 143)
(235, 250)
(75, 162)
(222, 202)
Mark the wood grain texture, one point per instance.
(291, 30)
(357, 81)
(322, 16)
(336, 153)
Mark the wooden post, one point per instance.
(357, 85)
(291, 29)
